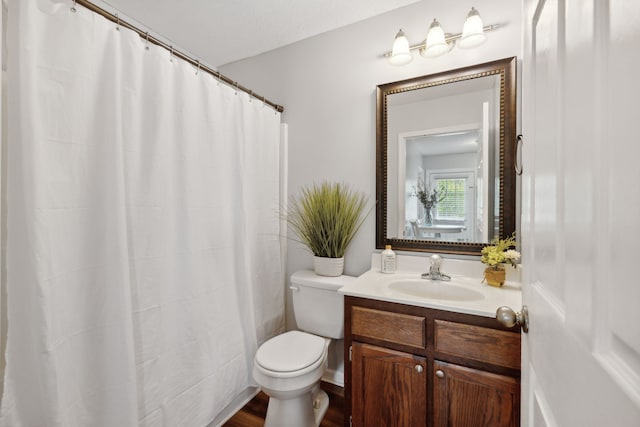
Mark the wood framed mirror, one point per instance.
(447, 138)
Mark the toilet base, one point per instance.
(306, 410)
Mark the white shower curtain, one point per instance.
(143, 250)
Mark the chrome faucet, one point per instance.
(434, 270)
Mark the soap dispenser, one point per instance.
(388, 260)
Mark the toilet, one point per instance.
(288, 367)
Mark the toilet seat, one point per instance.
(291, 354)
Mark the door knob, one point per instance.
(419, 369)
(509, 318)
(440, 373)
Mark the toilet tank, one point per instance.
(317, 305)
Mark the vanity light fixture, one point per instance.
(401, 52)
(438, 42)
(472, 32)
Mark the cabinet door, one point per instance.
(389, 388)
(465, 397)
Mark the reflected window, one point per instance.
(457, 208)
(453, 206)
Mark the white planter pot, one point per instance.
(328, 266)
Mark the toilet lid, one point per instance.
(291, 351)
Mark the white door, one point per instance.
(581, 213)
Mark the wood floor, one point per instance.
(253, 413)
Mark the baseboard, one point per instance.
(233, 407)
(332, 389)
(334, 377)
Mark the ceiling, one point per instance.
(444, 143)
(219, 32)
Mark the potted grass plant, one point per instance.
(326, 217)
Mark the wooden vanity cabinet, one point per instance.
(389, 387)
(413, 366)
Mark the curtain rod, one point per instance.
(147, 37)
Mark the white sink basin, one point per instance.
(433, 289)
(464, 293)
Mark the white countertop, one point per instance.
(465, 274)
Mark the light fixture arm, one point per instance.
(449, 38)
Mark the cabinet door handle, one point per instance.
(419, 369)
(440, 373)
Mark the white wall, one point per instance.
(327, 85)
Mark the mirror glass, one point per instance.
(445, 159)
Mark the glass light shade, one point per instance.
(401, 52)
(436, 44)
(472, 33)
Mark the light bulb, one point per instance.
(401, 52)
(472, 33)
(436, 44)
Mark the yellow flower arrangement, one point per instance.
(500, 252)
